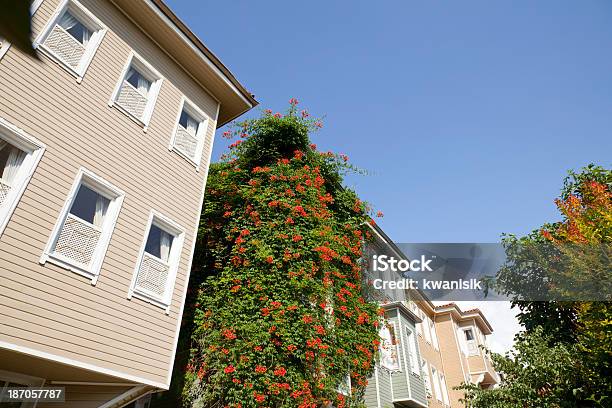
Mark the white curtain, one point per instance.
(165, 240)
(74, 27)
(13, 163)
(101, 207)
(387, 348)
(192, 125)
(140, 82)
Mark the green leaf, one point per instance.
(15, 25)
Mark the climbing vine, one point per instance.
(280, 319)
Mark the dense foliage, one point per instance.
(564, 356)
(280, 320)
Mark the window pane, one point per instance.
(138, 81)
(11, 159)
(188, 122)
(469, 335)
(159, 243)
(75, 28)
(90, 206)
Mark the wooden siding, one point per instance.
(48, 308)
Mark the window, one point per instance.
(345, 386)
(137, 90)
(412, 350)
(190, 132)
(426, 328)
(83, 230)
(426, 378)
(19, 156)
(389, 347)
(157, 265)
(142, 402)
(434, 336)
(71, 37)
(444, 389)
(436, 383)
(4, 46)
(10, 379)
(469, 335)
(471, 345)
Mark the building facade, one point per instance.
(426, 350)
(105, 144)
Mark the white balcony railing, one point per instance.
(65, 46)
(77, 240)
(132, 100)
(152, 275)
(186, 142)
(5, 189)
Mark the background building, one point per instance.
(426, 350)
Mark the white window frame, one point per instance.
(434, 335)
(82, 14)
(116, 196)
(34, 150)
(4, 48)
(147, 69)
(21, 379)
(176, 250)
(397, 347)
(435, 376)
(426, 377)
(202, 118)
(345, 386)
(444, 389)
(468, 352)
(5, 44)
(413, 352)
(426, 327)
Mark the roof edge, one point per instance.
(199, 45)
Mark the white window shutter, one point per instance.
(186, 142)
(152, 276)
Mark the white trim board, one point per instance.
(80, 364)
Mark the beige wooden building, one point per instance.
(104, 151)
(422, 370)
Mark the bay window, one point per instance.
(389, 347)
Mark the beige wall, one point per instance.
(454, 362)
(55, 311)
(432, 356)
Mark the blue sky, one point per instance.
(467, 114)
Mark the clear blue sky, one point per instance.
(467, 114)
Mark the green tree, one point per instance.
(536, 375)
(280, 320)
(567, 266)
